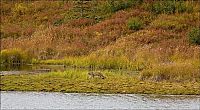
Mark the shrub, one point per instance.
(135, 24)
(14, 56)
(116, 5)
(58, 22)
(194, 36)
(48, 53)
(182, 7)
(19, 9)
(170, 7)
(163, 7)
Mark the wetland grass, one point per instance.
(78, 82)
(92, 61)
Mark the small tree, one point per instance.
(194, 36)
(82, 7)
(134, 24)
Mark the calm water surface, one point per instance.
(45, 100)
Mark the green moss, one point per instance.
(114, 83)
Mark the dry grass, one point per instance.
(177, 22)
(178, 72)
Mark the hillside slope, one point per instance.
(55, 30)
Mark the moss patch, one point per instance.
(114, 83)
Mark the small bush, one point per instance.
(182, 7)
(135, 24)
(14, 56)
(170, 7)
(194, 36)
(20, 9)
(116, 5)
(163, 7)
(58, 22)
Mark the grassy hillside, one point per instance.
(159, 38)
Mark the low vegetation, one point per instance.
(194, 36)
(11, 56)
(116, 5)
(78, 82)
(94, 62)
(135, 24)
(172, 72)
(170, 7)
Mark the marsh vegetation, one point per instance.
(78, 81)
(159, 39)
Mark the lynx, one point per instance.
(96, 74)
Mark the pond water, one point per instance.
(18, 67)
(46, 100)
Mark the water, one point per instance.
(45, 100)
(18, 67)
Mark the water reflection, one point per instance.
(43, 100)
(14, 67)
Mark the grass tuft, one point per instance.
(10, 56)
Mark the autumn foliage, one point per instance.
(146, 32)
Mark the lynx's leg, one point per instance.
(101, 75)
(90, 75)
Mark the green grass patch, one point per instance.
(116, 5)
(194, 36)
(134, 24)
(10, 56)
(92, 61)
(171, 7)
(77, 81)
(178, 22)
